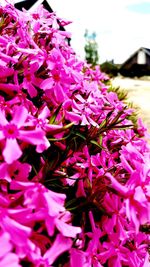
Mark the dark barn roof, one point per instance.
(146, 50)
(27, 4)
(133, 66)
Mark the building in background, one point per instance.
(138, 64)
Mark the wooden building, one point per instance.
(138, 64)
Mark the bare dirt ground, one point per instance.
(138, 93)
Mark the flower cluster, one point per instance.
(74, 170)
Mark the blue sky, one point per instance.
(142, 8)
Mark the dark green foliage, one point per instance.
(110, 68)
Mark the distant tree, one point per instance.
(91, 48)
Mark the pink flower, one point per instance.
(7, 258)
(9, 88)
(10, 260)
(18, 232)
(67, 229)
(30, 81)
(136, 202)
(14, 130)
(60, 245)
(7, 246)
(99, 168)
(6, 72)
(78, 258)
(48, 206)
(16, 170)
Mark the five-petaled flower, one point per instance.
(14, 131)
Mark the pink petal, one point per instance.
(50, 225)
(3, 120)
(66, 229)
(10, 260)
(4, 172)
(60, 245)
(146, 261)
(11, 151)
(17, 185)
(9, 88)
(139, 195)
(84, 120)
(55, 202)
(80, 98)
(115, 262)
(19, 233)
(125, 164)
(28, 50)
(43, 146)
(107, 254)
(20, 116)
(47, 84)
(73, 117)
(78, 258)
(44, 113)
(2, 136)
(31, 90)
(5, 72)
(54, 129)
(34, 137)
(127, 205)
(4, 202)
(134, 218)
(6, 245)
(23, 170)
(7, 58)
(123, 190)
(59, 93)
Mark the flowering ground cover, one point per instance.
(74, 170)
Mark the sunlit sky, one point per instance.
(122, 26)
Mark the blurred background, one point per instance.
(113, 34)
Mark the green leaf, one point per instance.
(117, 117)
(59, 139)
(53, 117)
(1, 22)
(109, 115)
(68, 126)
(100, 139)
(122, 127)
(80, 135)
(97, 144)
(70, 202)
(103, 124)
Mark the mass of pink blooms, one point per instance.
(74, 170)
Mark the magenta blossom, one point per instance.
(74, 170)
(11, 131)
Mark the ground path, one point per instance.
(138, 93)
